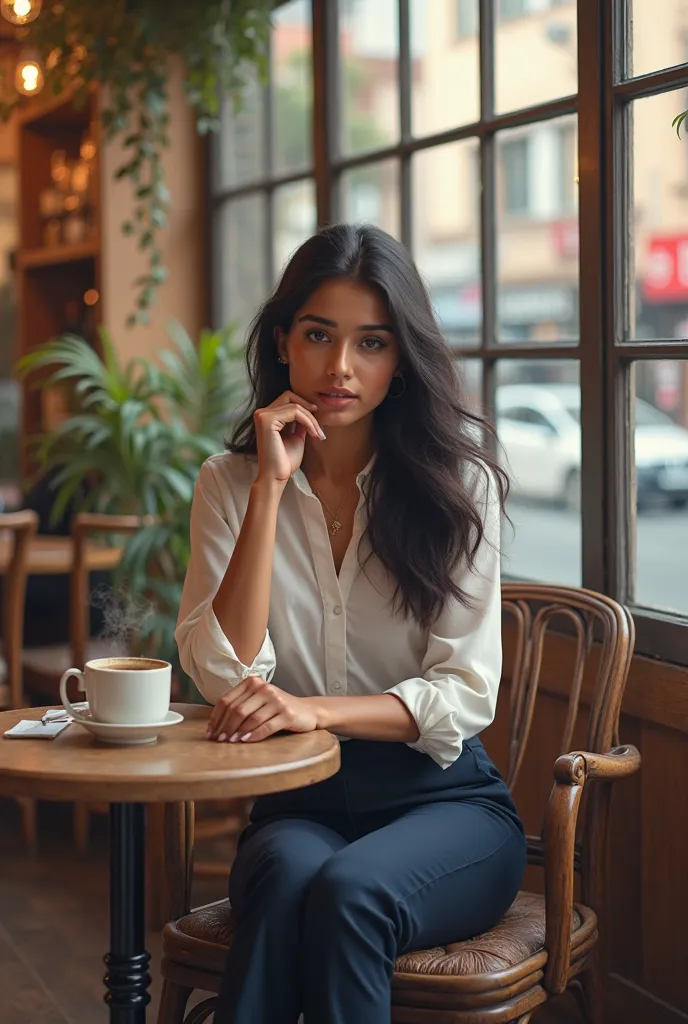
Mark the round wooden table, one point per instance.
(181, 766)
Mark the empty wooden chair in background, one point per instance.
(16, 532)
(546, 943)
(43, 666)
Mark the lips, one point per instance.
(336, 399)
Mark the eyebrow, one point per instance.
(331, 323)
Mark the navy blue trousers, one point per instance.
(332, 882)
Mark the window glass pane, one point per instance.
(535, 52)
(470, 373)
(661, 472)
(242, 282)
(537, 411)
(239, 150)
(656, 42)
(292, 83)
(371, 194)
(368, 68)
(537, 232)
(445, 63)
(294, 219)
(446, 235)
(658, 221)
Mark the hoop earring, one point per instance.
(282, 361)
(397, 394)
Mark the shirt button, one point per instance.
(337, 609)
(337, 686)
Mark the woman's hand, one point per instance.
(281, 430)
(255, 709)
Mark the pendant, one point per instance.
(336, 525)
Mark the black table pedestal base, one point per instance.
(127, 977)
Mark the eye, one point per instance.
(317, 334)
(374, 344)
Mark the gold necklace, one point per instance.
(336, 525)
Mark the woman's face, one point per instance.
(341, 351)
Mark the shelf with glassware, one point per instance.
(59, 257)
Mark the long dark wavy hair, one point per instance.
(425, 514)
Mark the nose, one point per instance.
(339, 364)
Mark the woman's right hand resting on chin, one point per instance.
(281, 430)
(242, 602)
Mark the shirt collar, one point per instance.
(301, 480)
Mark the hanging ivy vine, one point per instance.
(127, 47)
(677, 123)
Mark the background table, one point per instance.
(54, 556)
(181, 766)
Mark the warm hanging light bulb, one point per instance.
(28, 77)
(20, 12)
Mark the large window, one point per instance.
(523, 150)
(262, 175)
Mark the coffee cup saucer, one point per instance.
(127, 735)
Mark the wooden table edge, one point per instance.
(224, 784)
(247, 782)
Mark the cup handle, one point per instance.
(69, 708)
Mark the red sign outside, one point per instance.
(666, 269)
(566, 238)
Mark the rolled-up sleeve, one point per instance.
(456, 696)
(205, 653)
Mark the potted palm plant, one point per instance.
(138, 433)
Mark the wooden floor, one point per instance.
(54, 925)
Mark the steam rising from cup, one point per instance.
(124, 619)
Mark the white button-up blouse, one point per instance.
(339, 635)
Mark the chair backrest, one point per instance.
(17, 530)
(601, 636)
(85, 525)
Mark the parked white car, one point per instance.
(539, 428)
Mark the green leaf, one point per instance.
(678, 121)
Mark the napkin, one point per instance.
(30, 729)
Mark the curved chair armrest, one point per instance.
(571, 772)
(617, 764)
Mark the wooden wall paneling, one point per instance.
(664, 818)
(628, 1003)
(621, 938)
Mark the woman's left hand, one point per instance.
(255, 709)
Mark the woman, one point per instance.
(344, 575)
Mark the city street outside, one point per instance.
(545, 545)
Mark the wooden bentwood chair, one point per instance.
(22, 527)
(544, 944)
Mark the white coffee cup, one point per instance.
(122, 691)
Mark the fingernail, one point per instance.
(246, 736)
(222, 737)
(323, 434)
(234, 738)
(209, 731)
